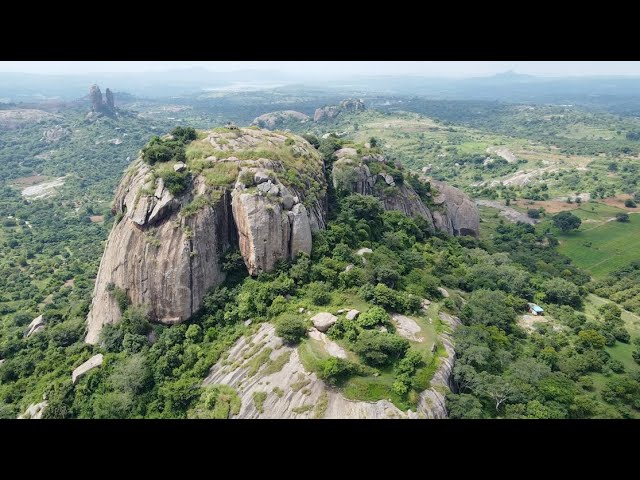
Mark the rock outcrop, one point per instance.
(332, 111)
(93, 362)
(446, 208)
(100, 106)
(36, 325)
(456, 214)
(110, 104)
(95, 97)
(292, 391)
(280, 119)
(34, 412)
(166, 250)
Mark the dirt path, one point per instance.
(507, 212)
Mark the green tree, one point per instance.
(562, 292)
(112, 405)
(319, 293)
(489, 307)
(566, 221)
(591, 339)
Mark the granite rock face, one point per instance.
(457, 213)
(165, 260)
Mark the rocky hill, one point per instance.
(331, 111)
(280, 119)
(446, 208)
(262, 191)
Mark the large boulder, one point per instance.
(323, 320)
(456, 213)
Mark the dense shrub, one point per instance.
(291, 329)
(379, 348)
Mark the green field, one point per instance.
(602, 245)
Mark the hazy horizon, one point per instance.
(336, 69)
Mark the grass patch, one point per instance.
(278, 392)
(256, 362)
(221, 174)
(258, 400)
(301, 383)
(274, 366)
(321, 406)
(196, 205)
(302, 408)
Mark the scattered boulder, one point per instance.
(179, 167)
(90, 364)
(248, 322)
(348, 268)
(364, 250)
(260, 177)
(323, 320)
(301, 310)
(267, 187)
(388, 179)
(425, 303)
(287, 201)
(341, 311)
(35, 326)
(352, 314)
(443, 292)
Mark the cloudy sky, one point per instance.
(333, 69)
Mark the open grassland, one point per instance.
(602, 245)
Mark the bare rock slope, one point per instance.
(261, 365)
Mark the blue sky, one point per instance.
(334, 69)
